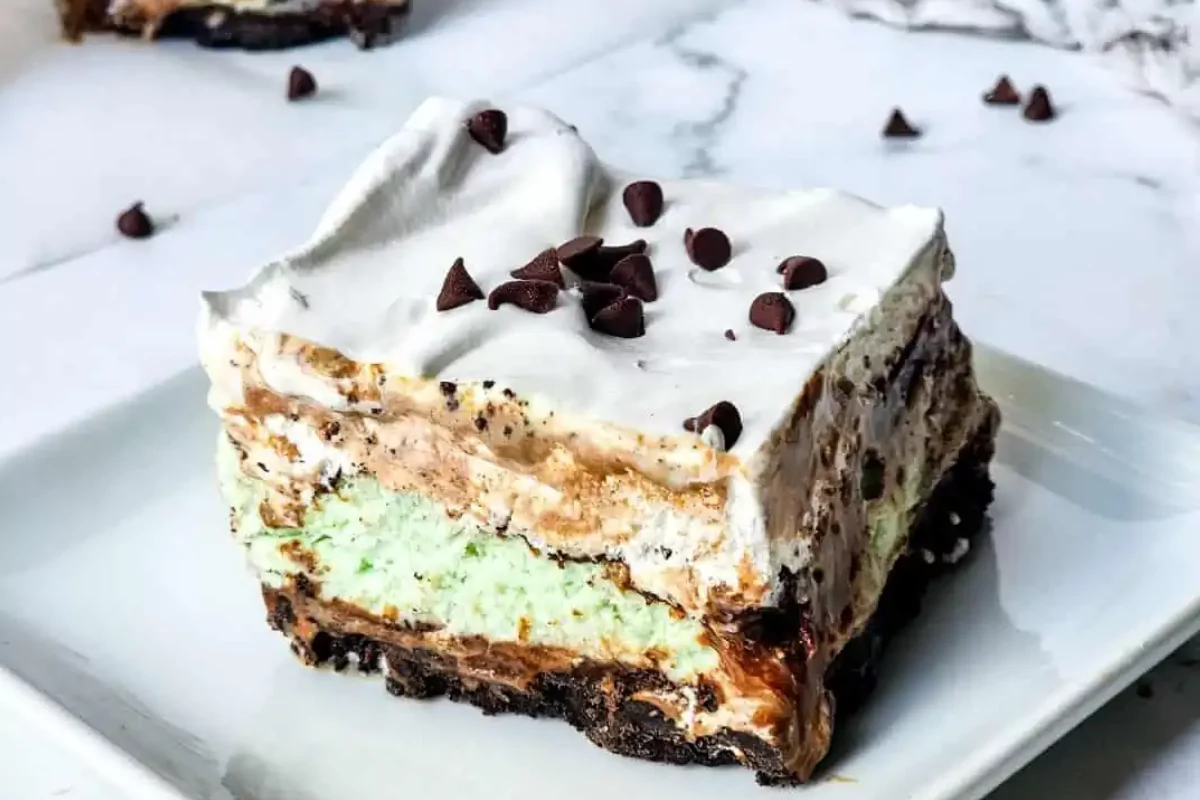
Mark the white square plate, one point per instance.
(124, 606)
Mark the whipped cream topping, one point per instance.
(367, 281)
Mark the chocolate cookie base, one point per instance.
(598, 698)
(367, 23)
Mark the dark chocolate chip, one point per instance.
(301, 84)
(537, 297)
(708, 248)
(644, 202)
(448, 388)
(873, 470)
(1039, 108)
(598, 296)
(724, 415)
(730, 335)
(488, 384)
(135, 223)
(772, 311)
(623, 319)
(568, 252)
(489, 129)
(801, 272)
(612, 253)
(458, 289)
(543, 267)
(898, 127)
(635, 274)
(1003, 93)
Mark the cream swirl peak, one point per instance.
(367, 282)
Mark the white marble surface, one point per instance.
(1078, 242)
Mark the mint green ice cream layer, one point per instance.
(377, 549)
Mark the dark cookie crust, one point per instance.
(368, 23)
(598, 698)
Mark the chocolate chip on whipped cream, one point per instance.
(1003, 93)
(592, 260)
(730, 335)
(898, 127)
(772, 311)
(635, 274)
(801, 272)
(134, 223)
(644, 202)
(623, 318)
(301, 84)
(708, 248)
(1039, 108)
(723, 416)
(489, 128)
(543, 267)
(571, 251)
(597, 297)
(537, 297)
(458, 289)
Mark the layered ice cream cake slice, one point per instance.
(524, 430)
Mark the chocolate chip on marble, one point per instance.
(543, 267)
(1003, 93)
(635, 274)
(624, 319)
(489, 128)
(598, 296)
(1039, 108)
(724, 415)
(898, 127)
(134, 223)
(708, 248)
(300, 84)
(458, 289)
(644, 202)
(772, 311)
(730, 335)
(801, 272)
(538, 297)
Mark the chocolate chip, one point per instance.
(801, 272)
(772, 311)
(644, 202)
(301, 84)
(623, 319)
(898, 127)
(458, 289)
(135, 223)
(872, 476)
(543, 267)
(489, 129)
(730, 335)
(1039, 108)
(488, 384)
(708, 248)
(612, 253)
(1003, 93)
(598, 296)
(724, 415)
(573, 250)
(537, 297)
(635, 274)
(448, 388)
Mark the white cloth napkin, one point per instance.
(1154, 44)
